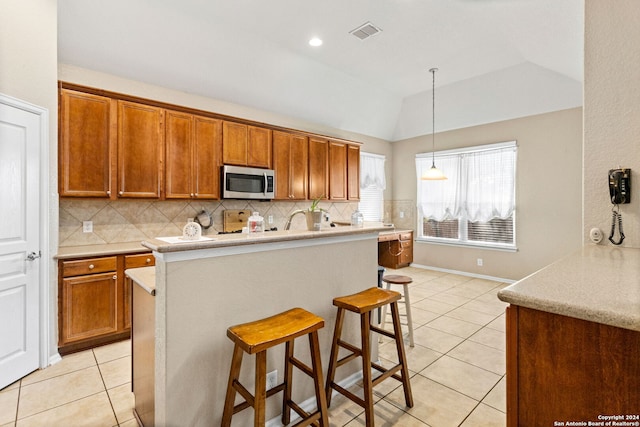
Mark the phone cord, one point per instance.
(616, 217)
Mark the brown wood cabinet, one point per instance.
(112, 146)
(193, 156)
(140, 150)
(318, 168)
(290, 163)
(87, 142)
(353, 172)
(395, 250)
(337, 170)
(245, 145)
(562, 369)
(93, 303)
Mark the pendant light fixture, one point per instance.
(433, 174)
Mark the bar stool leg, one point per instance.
(407, 306)
(406, 385)
(333, 358)
(234, 374)
(288, 375)
(365, 327)
(316, 365)
(260, 395)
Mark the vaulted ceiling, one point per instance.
(497, 59)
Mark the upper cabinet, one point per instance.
(290, 153)
(353, 172)
(87, 141)
(140, 150)
(318, 168)
(117, 146)
(337, 170)
(193, 152)
(245, 145)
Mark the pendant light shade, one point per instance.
(433, 174)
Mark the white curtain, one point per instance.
(439, 200)
(490, 184)
(480, 184)
(372, 171)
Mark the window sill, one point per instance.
(469, 245)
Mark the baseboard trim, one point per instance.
(464, 273)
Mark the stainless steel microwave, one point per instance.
(239, 182)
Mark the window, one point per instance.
(476, 204)
(372, 185)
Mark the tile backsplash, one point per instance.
(122, 221)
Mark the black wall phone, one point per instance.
(620, 193)
(620, 186)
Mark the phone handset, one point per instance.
(620, 192)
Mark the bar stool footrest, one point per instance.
(357, 400)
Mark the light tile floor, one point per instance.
(457, 367)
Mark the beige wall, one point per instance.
(548, 192)
(28, 71)
(611, 112)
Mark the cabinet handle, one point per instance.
(196, 194)
(148, 260)
(120, 193)
(115, 277)
(91, 266)
(108, 192)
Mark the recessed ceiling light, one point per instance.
(315, 42)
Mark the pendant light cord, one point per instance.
(433, 117)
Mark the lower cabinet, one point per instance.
(563, 369)
(395, 250)
(93, 301)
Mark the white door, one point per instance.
(20, 135)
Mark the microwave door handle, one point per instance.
(265, 184)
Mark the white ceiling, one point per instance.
(497, 59)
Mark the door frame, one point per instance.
(44, 277)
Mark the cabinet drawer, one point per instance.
(88, 266)
(140, 260)
(405, 236)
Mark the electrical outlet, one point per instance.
(270, 219)
(87, 226)
(479, 261)
(272, 379)
(401, 214)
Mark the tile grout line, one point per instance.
(115, 416)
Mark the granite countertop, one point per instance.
(597, 283)
(67, 252)
(145, 277)
(238, 239)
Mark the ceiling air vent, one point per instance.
(365, 31)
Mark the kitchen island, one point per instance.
(573, 341)
(201, 288)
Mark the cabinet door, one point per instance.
(140, 150)
(281, 164)
(259, 147)
(207, 157)
(86, 144)
(290, 165)
(234, 143)
(353, 172)
(337, 171)
(179, 154)
(299, 167)
(89, 307)
(318, 168)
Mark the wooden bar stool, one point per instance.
(255, 338)
(363, 303)
(396, 279)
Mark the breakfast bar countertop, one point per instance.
(239, 239)
(597, 283)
